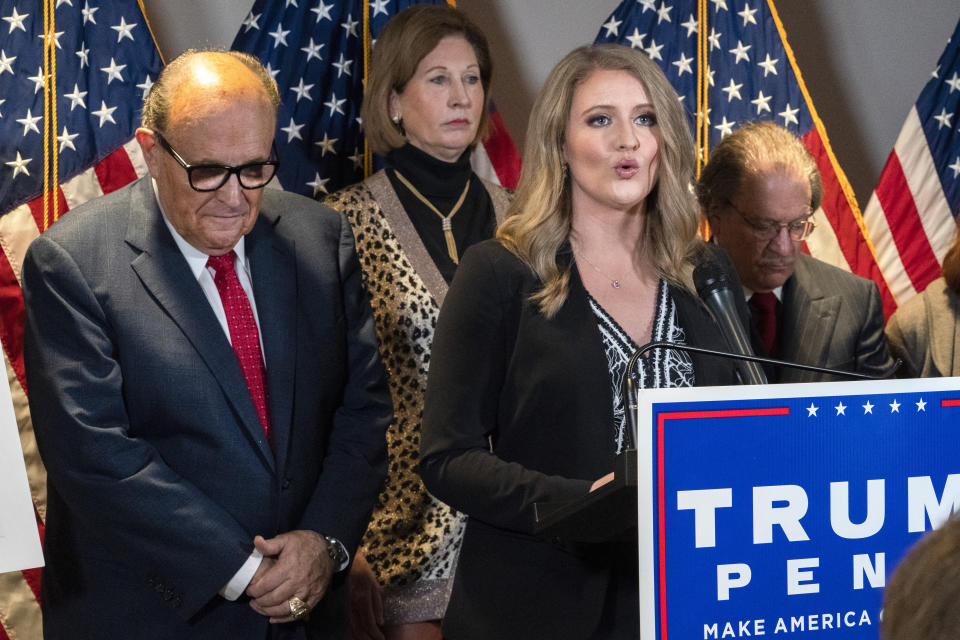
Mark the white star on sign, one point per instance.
(812, 410)
(894, 407)
(841, 409)
(922, 406)
(868, 408)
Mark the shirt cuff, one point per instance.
(241, 579)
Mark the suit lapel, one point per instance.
(165, 274)
(275, 288)
(809, 320)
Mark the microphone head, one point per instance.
(709, 277)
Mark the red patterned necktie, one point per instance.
(243, 332)
(763, 308)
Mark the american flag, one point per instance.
(750, 74)
(911, 213)
(315, 52)
(69, 118)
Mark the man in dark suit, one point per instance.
(204, 383)
(759, 192)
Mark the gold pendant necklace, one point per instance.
(446, 220)
(613, 283)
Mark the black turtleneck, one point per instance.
(442, 183)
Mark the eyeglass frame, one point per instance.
(777, 227)
(190, 168)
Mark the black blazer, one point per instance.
(159, 475)
(518, 410)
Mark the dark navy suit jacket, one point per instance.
(159, 474)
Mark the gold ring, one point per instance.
(298, 608)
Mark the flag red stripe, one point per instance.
(36, 208)
(906, 229)
(115, 171)
(11, 318)
(502, 152)
(849, 235)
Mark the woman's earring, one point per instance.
(563, 172)
(398, 123)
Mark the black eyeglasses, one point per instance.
(210, 177)
(767, 230)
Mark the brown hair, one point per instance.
(755, 148)
(156, 104)
(921, 599)
(539, 219)
(951, 262)
(406, 40)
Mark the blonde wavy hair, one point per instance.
(538, 222)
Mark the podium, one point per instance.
(608, 514)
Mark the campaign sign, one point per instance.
(783, 509)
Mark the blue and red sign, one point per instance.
(783, 509)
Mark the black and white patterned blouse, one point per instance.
(658, 369)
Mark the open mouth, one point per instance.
(627, 168)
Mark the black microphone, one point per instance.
(713, 287)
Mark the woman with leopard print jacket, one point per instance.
(425, 108)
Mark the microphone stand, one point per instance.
(630, 392)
